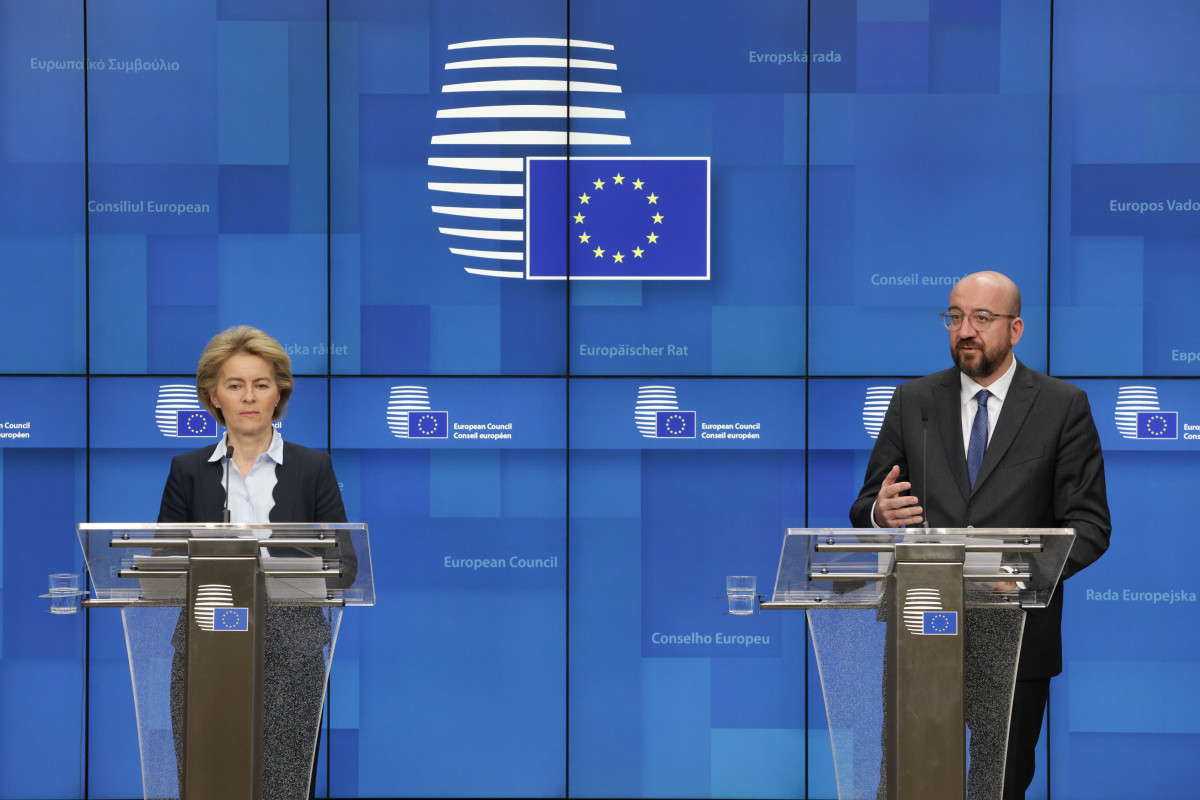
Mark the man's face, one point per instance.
(983, 355)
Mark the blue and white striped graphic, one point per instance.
(650, 401)
(1132, 400)
(505, 99)
(210, 597)
(875, 406)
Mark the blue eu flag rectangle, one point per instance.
(940, 623)
(428, 424)
(195, 422)
(1158, 425)
(675, 424)
(231, 619)
(617, 218)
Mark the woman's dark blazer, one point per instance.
(305, 489)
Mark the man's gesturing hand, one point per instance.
(893, 509)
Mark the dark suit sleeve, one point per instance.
(328, 507)
(328, 500)
(1080, 495)
(175, 506)
(888, 452)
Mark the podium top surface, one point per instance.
(847, 567)
(217, 528)
(304, 562)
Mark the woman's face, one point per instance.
(246, 394)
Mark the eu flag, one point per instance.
(1158, 425)
(675, 424)
(231, 619)
(940, 623)
(195, 422)
(428, 424)
(617, 218)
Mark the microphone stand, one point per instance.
(228, 461)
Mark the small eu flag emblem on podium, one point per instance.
(231, 619)
(940, 623)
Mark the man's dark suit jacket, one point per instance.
(1043, 468)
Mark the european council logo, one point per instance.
(506, 100)
(625, 219)
(657, 414)
(410, 416)
(924, 616)
(874, 407)
(211, 599)
(178, 413)
(1138, 415)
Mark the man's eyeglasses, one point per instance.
(980, 320)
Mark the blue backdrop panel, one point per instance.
(207, 182)
(42, 480)
(402, 293)
(1139, 594)
(718, 83)
(42, 188)
(1128, 196)
(660, 514)
(937, 176)
(463, 657)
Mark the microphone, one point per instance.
(925, 465)
(228, 461)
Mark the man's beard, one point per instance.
(987, 362)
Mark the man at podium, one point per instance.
(992, 443)
(244, 379)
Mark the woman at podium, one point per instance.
(244, 379)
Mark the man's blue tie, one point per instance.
(979, 436)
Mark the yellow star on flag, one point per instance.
(599, 184)
(637, 252)
(653, 238)
(657, 218)
(579, 218)
(599, 253)
(637, 184)
(618, 258)
(653, 198)
(584, 238)
(583, 198)
(618, 178)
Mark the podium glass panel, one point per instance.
(891, 703)
(309, 573)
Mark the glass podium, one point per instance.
(917, 633)
(230, 630)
